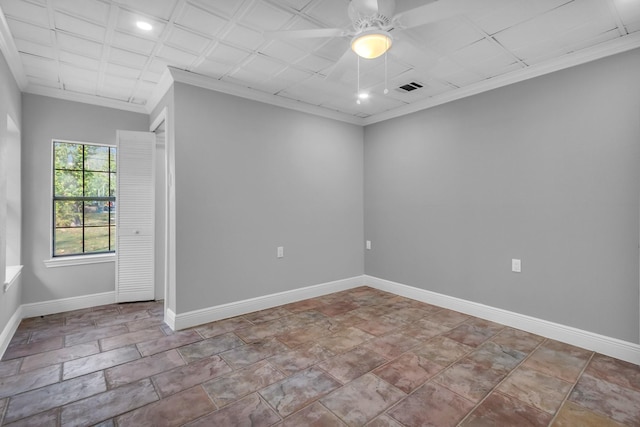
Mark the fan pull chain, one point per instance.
(386, 90)
(358, 79)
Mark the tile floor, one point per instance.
(359, 357)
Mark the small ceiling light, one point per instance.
(363, 95)
(144, 26)
(371, 44)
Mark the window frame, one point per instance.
(84, 257)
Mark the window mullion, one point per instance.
(109, 194)
(83, 196)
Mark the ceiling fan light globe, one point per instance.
(371, 45)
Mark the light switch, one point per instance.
(280, 252)
(516, 266)
(368, 244)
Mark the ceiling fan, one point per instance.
(373, 24)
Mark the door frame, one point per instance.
(169, 222)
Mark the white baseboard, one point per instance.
(67, 304)
(224, 311)
(9, 330)
(613, 347)
(170, 318)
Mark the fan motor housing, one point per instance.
(371, 13)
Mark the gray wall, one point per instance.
(251, 177)
(546, 171)
(9, 105)
(45, 119)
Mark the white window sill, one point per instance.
(68, 261)
(13, 271)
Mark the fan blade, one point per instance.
(408, 52)
(440, 10)
(306, 34)
(347, 60)
(365, 7)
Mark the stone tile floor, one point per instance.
(358, 357)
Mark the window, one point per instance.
(84, 202)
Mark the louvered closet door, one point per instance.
(135, 203)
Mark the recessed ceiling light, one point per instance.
(362, 96)
(145, 26)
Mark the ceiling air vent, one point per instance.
(409, 87)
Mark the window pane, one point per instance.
(96, 158)
(112, 188)
(96, 214)
(112, 160)
(68, 183)
(96, 239)
(113, 238)
(96, 184)
(68, 214)
(67, 156)
(68, 241)
(112, 213)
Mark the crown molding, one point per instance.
(619, 45)
(10, 52)
(603, 50)
(204, 82)
(171, 75)
(85, 99)
(161, 89)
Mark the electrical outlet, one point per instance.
(280, 252)
(516, 266)
(368, 244)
